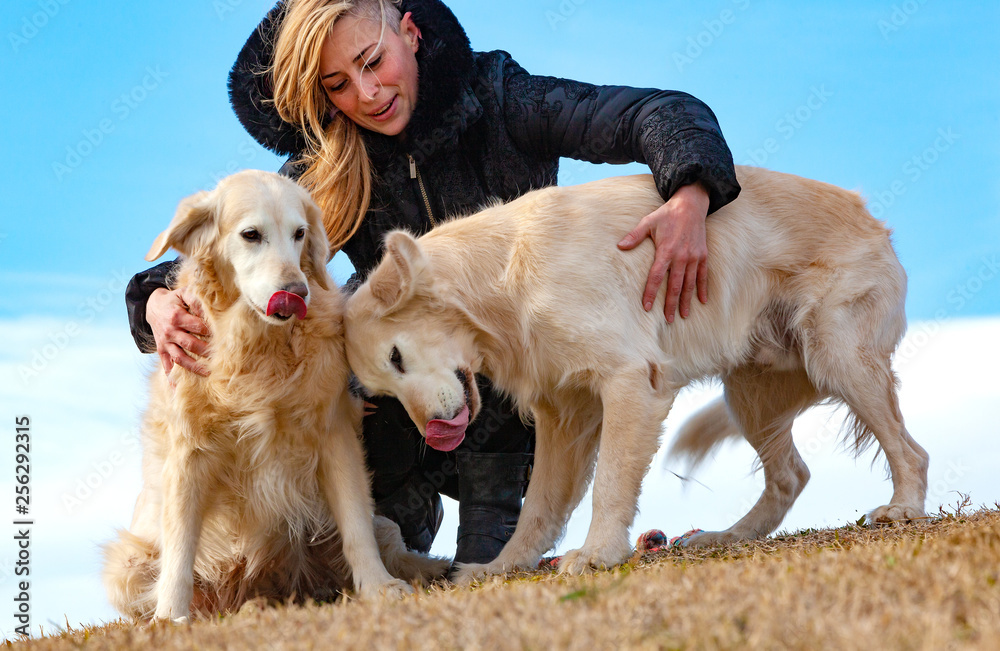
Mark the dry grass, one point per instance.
(929, 585)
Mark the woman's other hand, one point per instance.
(677, 229)
(176, 317)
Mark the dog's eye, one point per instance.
(299, 234)
(397, 359)
(251, 235)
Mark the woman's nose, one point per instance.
(368, 84)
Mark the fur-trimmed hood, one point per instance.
(444, 59)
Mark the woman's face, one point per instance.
(381, 95)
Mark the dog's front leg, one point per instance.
(634, 410)
(188, 477)
(564, 453)
(345, 484)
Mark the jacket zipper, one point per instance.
(415, 174)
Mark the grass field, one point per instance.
(928, 585)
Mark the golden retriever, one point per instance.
(254, 480)
(806, 303)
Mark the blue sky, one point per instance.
(113, 112)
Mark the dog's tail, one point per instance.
(131, 566)
(403, 563)
(702, 432)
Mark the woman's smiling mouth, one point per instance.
(384, 111)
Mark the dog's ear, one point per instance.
(400, 273)
(316, 252)
(193, 214)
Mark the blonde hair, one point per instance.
(337, 172)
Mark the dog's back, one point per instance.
(772, 268)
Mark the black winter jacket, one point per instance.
(483, 129)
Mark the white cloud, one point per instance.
(86, 401)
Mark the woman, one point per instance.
(392, 121)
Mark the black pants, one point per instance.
(397, 454)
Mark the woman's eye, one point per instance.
(251, 235)
(374, 62)
(397, 360)
(336, 88)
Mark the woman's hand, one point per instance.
(175, 318)
(677, 229)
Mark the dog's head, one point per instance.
(260, 236)
(404, 340)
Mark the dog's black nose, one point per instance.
(297, 288)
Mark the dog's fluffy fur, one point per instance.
(805, 303)
(254, 482)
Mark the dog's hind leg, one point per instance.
(764, 403)
(636, 401)
(865, 382)
(565, 446)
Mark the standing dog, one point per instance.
(806, 304)
(254, 483)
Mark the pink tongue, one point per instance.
(286, 304)
(445, 435)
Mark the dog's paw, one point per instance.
(710, 538)
(176, 621)
(167, 614)
(896, 513)
(253, 607)
(583, 560)
(395, 589)
(389, 589)
(465, 574)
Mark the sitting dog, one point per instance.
(254, 480)
(806, 303)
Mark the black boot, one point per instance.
(416, 508)
(490, 487)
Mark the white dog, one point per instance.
(806, 303)
(254, 482)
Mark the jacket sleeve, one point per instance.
(674, 133)
(137, 294)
